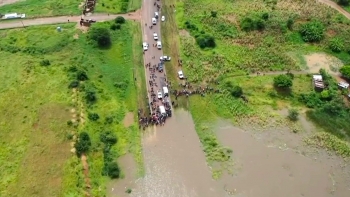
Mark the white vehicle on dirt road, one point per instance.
(154, 21)
(163, 18)
(159, 44)
(165, 58)
(145, 46)
(181, 74)
(159, 94)
(155, 36)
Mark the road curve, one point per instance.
(65, 19)
(335, 6)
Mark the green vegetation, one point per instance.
(293, 114)
(42, 67)
(330, 142)
(283, 81)
(117, 6)
(40, 8)
(345, 71)
(312, 31)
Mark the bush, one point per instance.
(248, 24)
(282, 81)
(83, 144)
(108, 138)
(82, 76)
(290, 23)
(236, 91)
(74, 84)
(113, 170)
(115, 26)
(128, 191)
(205, 41)
(345, 71)
(336, 45)
(100, 35)
(265, 16)
(343, 2)
(312, 31)
(120, 20)
(293, 114)
(90, 96)
(93, 116)
(213, 13)
(45, 62)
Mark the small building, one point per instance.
(317, 81)
(343, 84)
(13, 16)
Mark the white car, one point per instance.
(159, 44)
(163, 18)
(155, 36)
(154, 21)
(159, 95)
(181, 74)
(165, 58)
(145, 46)
(156, 14)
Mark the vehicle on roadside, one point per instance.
(154, 21)
(181, 74)
(155, 36)
(165, 58)
(156, 15)
(145, 46)
(159, 94)
(163, 18)
(165, 91)
(160, 67)
(159, 44)
(91, 21)
(162, 110)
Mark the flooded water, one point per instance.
(175, 163)
(267, 170)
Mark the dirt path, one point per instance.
(334, 5)
(65, 19)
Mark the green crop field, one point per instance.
(117, 6)
(41, 114)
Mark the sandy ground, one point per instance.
(317, 61)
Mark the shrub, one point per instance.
(247, 24)
(236, 91)
(90, 96)
(205, 41)
(82, 76)
(282, 81)
(113, 170)
(343, 2)
(290, 23)
(109, 120)
(260, 24)
(312, 31)
(115, 26)
(93, 116)
(74, 84)
(108, 138)
(293, 114)
(83, 144)
(120, 20)
(128, 191)
(100, 35)
(265, 16)
(336, 45)
(45, 62)
(213, 13)
(345, 71)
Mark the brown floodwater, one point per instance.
(266, 169)
(175, 163)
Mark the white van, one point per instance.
(165, 91)
(154, 21)
(162, 109)
(159, 44)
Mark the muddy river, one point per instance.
(266, 165)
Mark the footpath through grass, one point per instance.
(37, 128)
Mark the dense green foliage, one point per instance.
(45, 63)
(249, 24)
(113, 170)
(120, 20)
(343, 2)
(336, 45)
(312, 31)
(100, 35)
(205, 40)
(283, 81)
(293, 114)
(234, 90)
(83, 143)
(345, 71)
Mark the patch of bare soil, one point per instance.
(76, 36)
(128, 119)
(317, 61)
(185, 33)
(5, 2)
(86, 172)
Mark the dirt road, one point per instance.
(65, 19)
(334, 5)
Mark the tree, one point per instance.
(205, 41)
(343, 2)
(265, 16)
(93, 116)
(113, 170)
(290, 23)
(108, 138)
(100, 35)
(336, 45)
(260, 24)
(115, 26)
(120, 20)
(293, 114)
(83, 144)
(90, 96)
(282, 81)
(345, 71)
(236, 91)
(247, 24)
(312, 31)
(82, 76)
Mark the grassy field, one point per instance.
(36, 134)
(117, 6)
(40, 8)
(238, 54)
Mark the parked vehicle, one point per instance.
(155, 36)
(180, 74)
(159, 44)
(165, 91)
(154, 21)
(163, 18)
(160, 67)
(159, 95)
(145, 46)
(165, 58)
